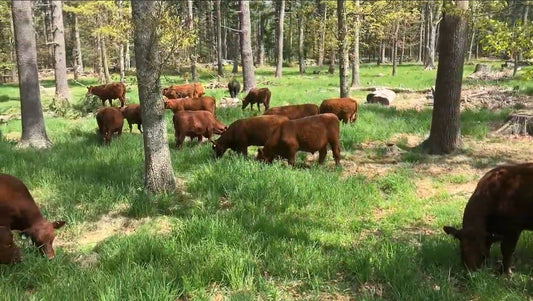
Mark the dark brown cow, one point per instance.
(18, 211)
(245, 132)
(109, 121)
(9, 252)
(196, 124)
(500, 208)
(309, 134)
(204, 103)
(194, 90)
(258, 96)
(109, 92)
(345, 108)
(294, 111)
(132, 113)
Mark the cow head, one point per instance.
(262, 155)
(90, 90)
(218, 148)
(245, 102)
(42, 235)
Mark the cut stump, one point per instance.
(520, 123)
(485, 68)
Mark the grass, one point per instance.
(242, 230)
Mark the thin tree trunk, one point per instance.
(105, 64)
(60, 62)
(211, 31)
(383, 50)
(343, 48)
(289, 46)
(301, 59)
(236, 52)
(322, 35)
(280, 5)
(515, 67)
(127, 58)
(246, 47)
(421, 39)
(355, 54)
(33, 128)
(394, 48)
(402, 47)
(190, 26)
(331, 68)
(99, 65)
(433, 19)
(159, 176)
(224, 40)
(79, 56)
(121, 62)
(220, 68)
(261, 42)
(13, 54)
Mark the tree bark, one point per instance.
(343, 48)
(121, 61)
(105, 64)
(322, 35)
(280, 6)
(355, 53)
(402, 46)
(99, 66)
(289, 40)
(79, 56)
(127, 58)
(33, 128)
(261, 42)
(60, 61)
(248, 76)
(220, 68)
(421, 39)
(445, 133)
(395, 48)
(159, 174)
(190, 26)
(236, 52)
(301, 59)
(433, 18)
(331, 68)
(13, 54)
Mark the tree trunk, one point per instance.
(248, 76)
(33, 128)
(224, 40)
(121, 62)
(289, 40)
(79, 58)
(159, 175)
(355, 53)
(331, 68)
(402, 46)
(220, 68)
(127, 58)
(99, 65)
(60, 61)
(445, 133)
(383, 49)
(261, 42)
(421, 39)
(236, 52)
(280, 5)
(433, 19)
(322, 35)
(190, 26)
(301, 59)
(395, 48)
(211, 31)
(105, 64)
(13, 54)
(515, 67)
(343, 48)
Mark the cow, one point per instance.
(258, 96)
(9, 252)
(204, 103)
(132, 113)
(109, 121)
(500, 208)
(194, 90)
(345, 108)
(294, 111)
(245, 132)
(309, 134)
(18, 211)
(196, 124)
(234, 88)
(109, 92)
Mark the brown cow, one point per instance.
(109, 92)
(196, 124)
(194, 90)
(109, 121)
(294, 111)
(18, 211)
(345, 108)
(132, 113)
(309, 134)
(204, 103)
(500, 208)
(258, 96)
(9, 252)
(244, 132)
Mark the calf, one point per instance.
(244, 132)
(109, 121)
(258, 96)
(194, 90)
(309, 134)
(500, 208)
(196, 124)
(109, 92)
(132, 114)
(345, 108)
(204, 103)
(9, 252)
(234, 88)
(18, 211)
(294, 111)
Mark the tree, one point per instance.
(33, 128)
(280, 16)
(78, 58)
(190, 26)
(220, 69)
(342, 48)
(355, 53)
(60, 61)
(433, 17)
(159, 174)
(246, 46)
(445, 133)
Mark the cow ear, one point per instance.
(58, 224)
(453, 231)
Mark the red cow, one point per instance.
(132, 113)
(109, 121)
(294, 111)
(345, 108)
(194, 90)
(258, 96)
(196, 124)
(9, 252)
(204, 103)
(18, 211)
(309, 134)
(109, 92)
(244, 132)
(500, 208)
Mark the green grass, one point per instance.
(245, 230)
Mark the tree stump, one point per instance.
(381, 96)
(485, 68)
(520, 123)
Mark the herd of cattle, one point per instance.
(500, 208)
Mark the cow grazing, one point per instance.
(9, 252)
(245, 132)
(309, 134)
(345, 108)
(109, 92)
(18, 211)
(294, 111)
(234, 88)
(109, 121)
(194, 90)
(196, 124)
(258, 96)
(204, 103)
(132, 113)
(500, 208)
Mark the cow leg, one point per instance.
(119, 132)
(103, 102)
(131, 126)
(122, 101)
(179, 140)
(508, 245)
(322, 154)
(291, 158)
(335, 149)
(139, 127)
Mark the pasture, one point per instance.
(237, 229)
